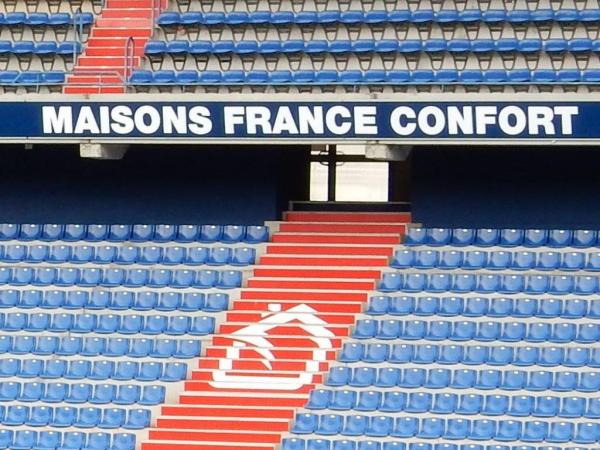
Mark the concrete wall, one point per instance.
(162, 184)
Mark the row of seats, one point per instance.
(506, 284)
(445, 403)
(40, 48)
(215, 256)
(471, 355)
(98, 346)
(38, 19)
(90, 277)
(546, 308)
(435, 428)
(68, 440)
(476, 259)
(440, 330)
(485, 379)
(419, 16)
(501, 237)
(107, 324)
(354, 77)
(462, 404)
(67, 416)
(135, 233)
(125, 394)
(294, 443)
(93, 370)
(245, 47)
(32, 78)
(115, 300)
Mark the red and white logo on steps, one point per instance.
(256, 337)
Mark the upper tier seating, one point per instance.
(372, 46)
(502, 365)
(502, 238)
(98, 321)
(346, 46)
(134, 233)
(40, 42)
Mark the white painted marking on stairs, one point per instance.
(255, 337)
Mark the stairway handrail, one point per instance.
(129, 58)
(157, 6)
(78, 33)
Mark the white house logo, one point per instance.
(256, 337)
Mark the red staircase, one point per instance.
(101, 69)
(279, 337)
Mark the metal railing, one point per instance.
(157, 7)
(129, 60)
(78, 34)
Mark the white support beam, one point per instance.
(387, 152)
(103, 151)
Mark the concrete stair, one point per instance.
(279, 337)
(101, 69)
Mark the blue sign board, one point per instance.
(300, 121)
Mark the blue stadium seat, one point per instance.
(305, 423)
(152, 395)
(559, 238)
(415, 236)
(515, 332)
(137, 419)
(487, 237)
(451, 259)
(142, 233)
(52, 232)
(578, 238)
(586, 433)
(405, 427)
(463, 236)
(400, 306)
(119, 233)
(342, 400)
(318, 399)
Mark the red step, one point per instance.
(116, 41)
(214, 436)
(112, 51)
(93, 79)
(103, 62)
(203, 386)
(311, 284)
(207, 375)
(136, 33)
(281, 353)
(269, 260)
(268, 425)
(328, 250)
(123, 22)
(259, 364)
(308, 216)
(336, 238)
(320, 306)
(213, 411)
(331, 319)
(317, 273)
(303, 295)
(94, 90)
(278, 341)
(282, 330)
(128, 4)
(118, 13)
(303, 227)
(207, 446)
(254, 400)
